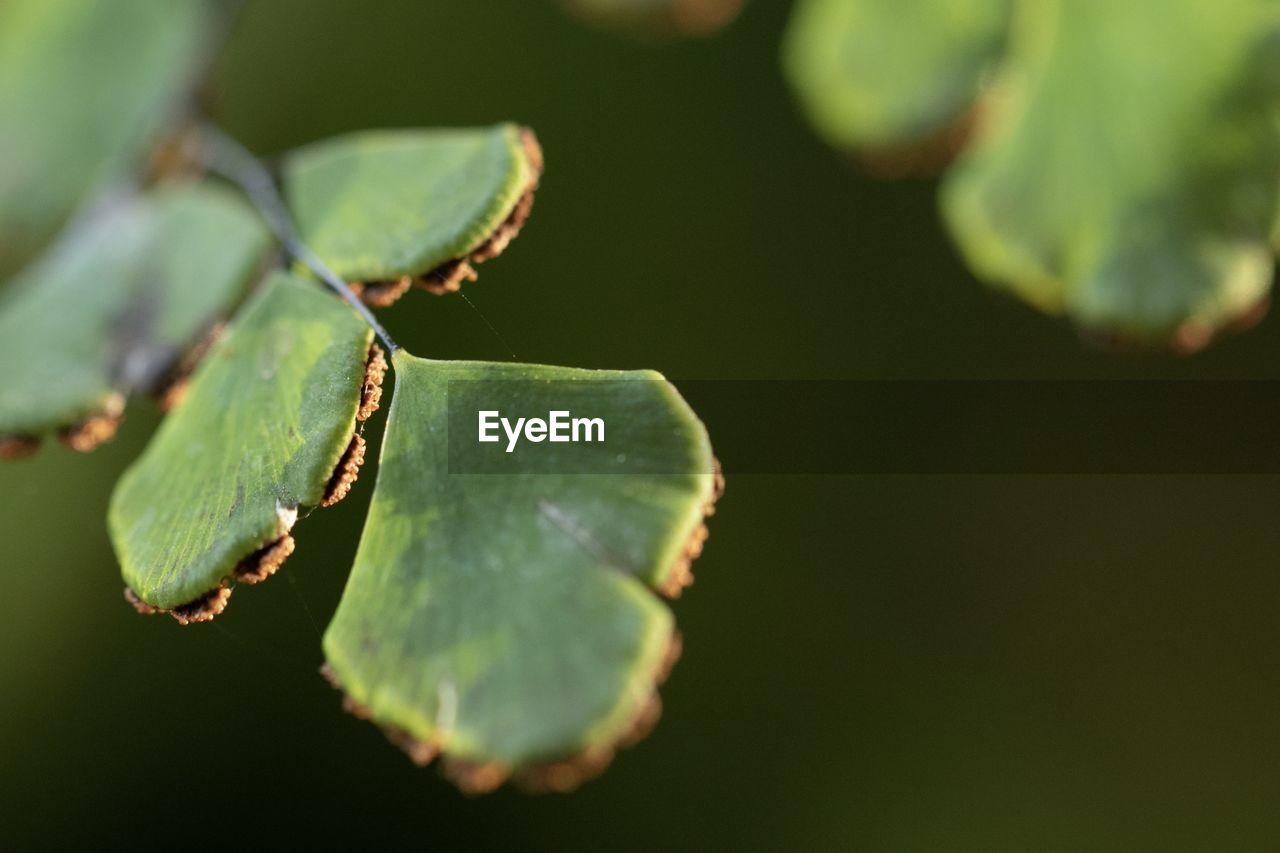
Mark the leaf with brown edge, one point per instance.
(114, 305)
(388, 210)
(501, 612)
(264, 435)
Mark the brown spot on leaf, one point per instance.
(264, 562)
(95, 429)
(375, 370)
(18, 446)
(449, 276)
(344, 476)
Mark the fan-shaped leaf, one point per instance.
(114, 304)
(1128, 169)
(266, 431)
(875, 74)
(83, 86)
(387, 209)
(497, 609)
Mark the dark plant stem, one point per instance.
(223, 155)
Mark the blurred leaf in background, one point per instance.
(880, 76)
(114, 304)
(1124, 167)
(84, 85)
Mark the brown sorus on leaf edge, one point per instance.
(172, 387)
(563, 776)
(924, 156)
(420, 752)
(449, 276)
(566, 774)
(255, 568)
(203, 609)
(264, 562)
(472, 777)
(680, 575)
(89, 433)
(475, 777)
(138, 604)
(348, 468)
(1187, 339)
(375, 370)
(344, 476)
(380, 294)
(96, 428)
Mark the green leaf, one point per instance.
(266, 432)
(112, 307)
(498, 608)
(875, 74)
(84, 86)
(657, 17)
(386, 209)
(1127, 171)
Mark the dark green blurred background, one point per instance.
(882, 663)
